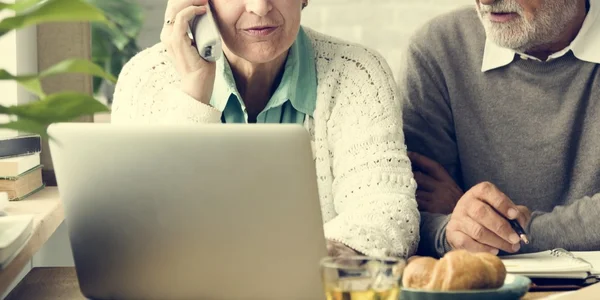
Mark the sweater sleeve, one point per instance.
(573, 227)
(373, 187)
(147, 91)
(429, 130)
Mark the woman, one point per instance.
(276, 71)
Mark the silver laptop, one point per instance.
(191, 212)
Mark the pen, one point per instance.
(519, 230)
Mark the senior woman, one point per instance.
(276, 71)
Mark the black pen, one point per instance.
(519, 230)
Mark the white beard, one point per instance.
(522, 34)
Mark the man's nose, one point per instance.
(487, 2)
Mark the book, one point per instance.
(15, 166)
(555, 264)
(24, 185)
(20, 145)
(3, 203)
(15, 232)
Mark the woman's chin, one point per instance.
(262, 57)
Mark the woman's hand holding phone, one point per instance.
(197, 75)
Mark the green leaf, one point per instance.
(54, 11)
(76, 65)
(128, 15)
(5, 5)
(33, 84)
(59, 107)
(19, 5)
(30, 82)
(96, 84)
(112, 47)
(112, 35)
(28, 126)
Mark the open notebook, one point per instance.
(557, 263)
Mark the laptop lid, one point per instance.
(192, 211)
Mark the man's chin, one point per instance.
(506, 38)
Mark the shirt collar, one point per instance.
(298, 83)
(585, 46)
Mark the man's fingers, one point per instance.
(424, 196)
(490, 194)
(429, 166)
(424, 201)
(484, 236)
(424, 182)
(412, 258)
(337, 249)
(459, 240)
(483, 214)
(524, 215)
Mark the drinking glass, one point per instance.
(362, 278)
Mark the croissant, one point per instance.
(457, 270)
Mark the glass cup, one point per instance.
(362, 278)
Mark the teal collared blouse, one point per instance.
(293, 100)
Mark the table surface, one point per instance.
(49, 214)
(61, 283)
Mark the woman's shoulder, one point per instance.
(144, 76)
(358, 71)
(333, 52)
(148, 63)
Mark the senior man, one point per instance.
(502, 101)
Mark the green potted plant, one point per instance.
(65, 106)
(112, 47)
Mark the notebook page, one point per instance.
(593, 257)
(543, 262)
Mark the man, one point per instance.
(502, 101)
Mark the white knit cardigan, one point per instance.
(366, 186)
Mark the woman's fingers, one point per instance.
(175, 6)
(197, 75)
(182, 43)
(173, 12)
(179, 45)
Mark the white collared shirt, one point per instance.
(585, 46)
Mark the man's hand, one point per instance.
(436, 190)
(526, 213)
(337, 249)
(478, 224)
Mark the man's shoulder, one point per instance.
(455, 30)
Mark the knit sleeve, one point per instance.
(428, 127)
(147, 91)
(373, 187)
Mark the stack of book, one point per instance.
(20, 166)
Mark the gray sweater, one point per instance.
(531, 128)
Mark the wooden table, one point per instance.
(49, 214)
(48, 284)
(61, 283)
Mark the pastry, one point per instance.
(457, 270)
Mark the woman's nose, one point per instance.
(259, 7)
